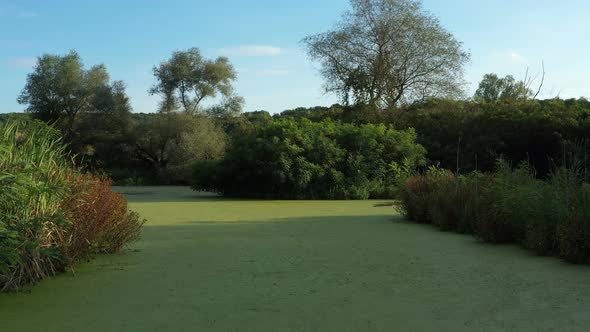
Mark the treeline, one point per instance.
(94, 115)
(464, 136)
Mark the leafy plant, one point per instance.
(300, 159)
(51, 215)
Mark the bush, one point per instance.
(456, 201)
(512, 200)
(534, 131)
(415, 197)
(443, 199)
(551, 217)
(50, 214)
(294, 158)
(100, 221)
(574, 232)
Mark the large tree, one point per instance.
(388, 52)
(59, 89)
(493, 88)
(186, 79)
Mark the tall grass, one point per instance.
(551, 216)
(51, 215)
(33, 174)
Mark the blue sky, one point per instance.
(262, 39)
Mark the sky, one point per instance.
(262, 38)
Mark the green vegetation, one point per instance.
(51, 215)
(208, 263)
(60, 89)
(169, 143)
(388, 53)
(551, 217)
(301, 159)
(186, 79)
(472, 135)
(406, 124)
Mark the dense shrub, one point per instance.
(551, 217)
(512, 199)
(534, 131)
(439, 197)
(455, 202)
(574, 231)
(417, 193)
(45, 223)
(301, 159)
(100, 221)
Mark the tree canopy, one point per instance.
(388, 52)
(493, 88)
(60, 88)
(186, 79)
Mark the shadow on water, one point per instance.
(165, 194)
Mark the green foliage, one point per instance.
(93, 113)
(60, 88)
(454, 202)
(33, 178)
(169, 143)
(535, 132)
(186, 79)
(513, 199)
(439, 197)
(301, 159)
(36, 181)
(371, 58)
(551, 217)
(573, 231)
(474, 135)
(492, 88)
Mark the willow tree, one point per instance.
(186, 79)
(388, 52)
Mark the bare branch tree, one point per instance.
(542, 81)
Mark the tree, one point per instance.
(169, 143)
(388, 52)
(230, 106)
(186, 79)
(493, 88)
(103, 132)
(59, 89)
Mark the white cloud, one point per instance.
(252, 50)
(517, 58)
(272, 72)
(22, 63)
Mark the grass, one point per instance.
(206, 263)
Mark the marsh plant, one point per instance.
(512, 205)
(37, 227)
